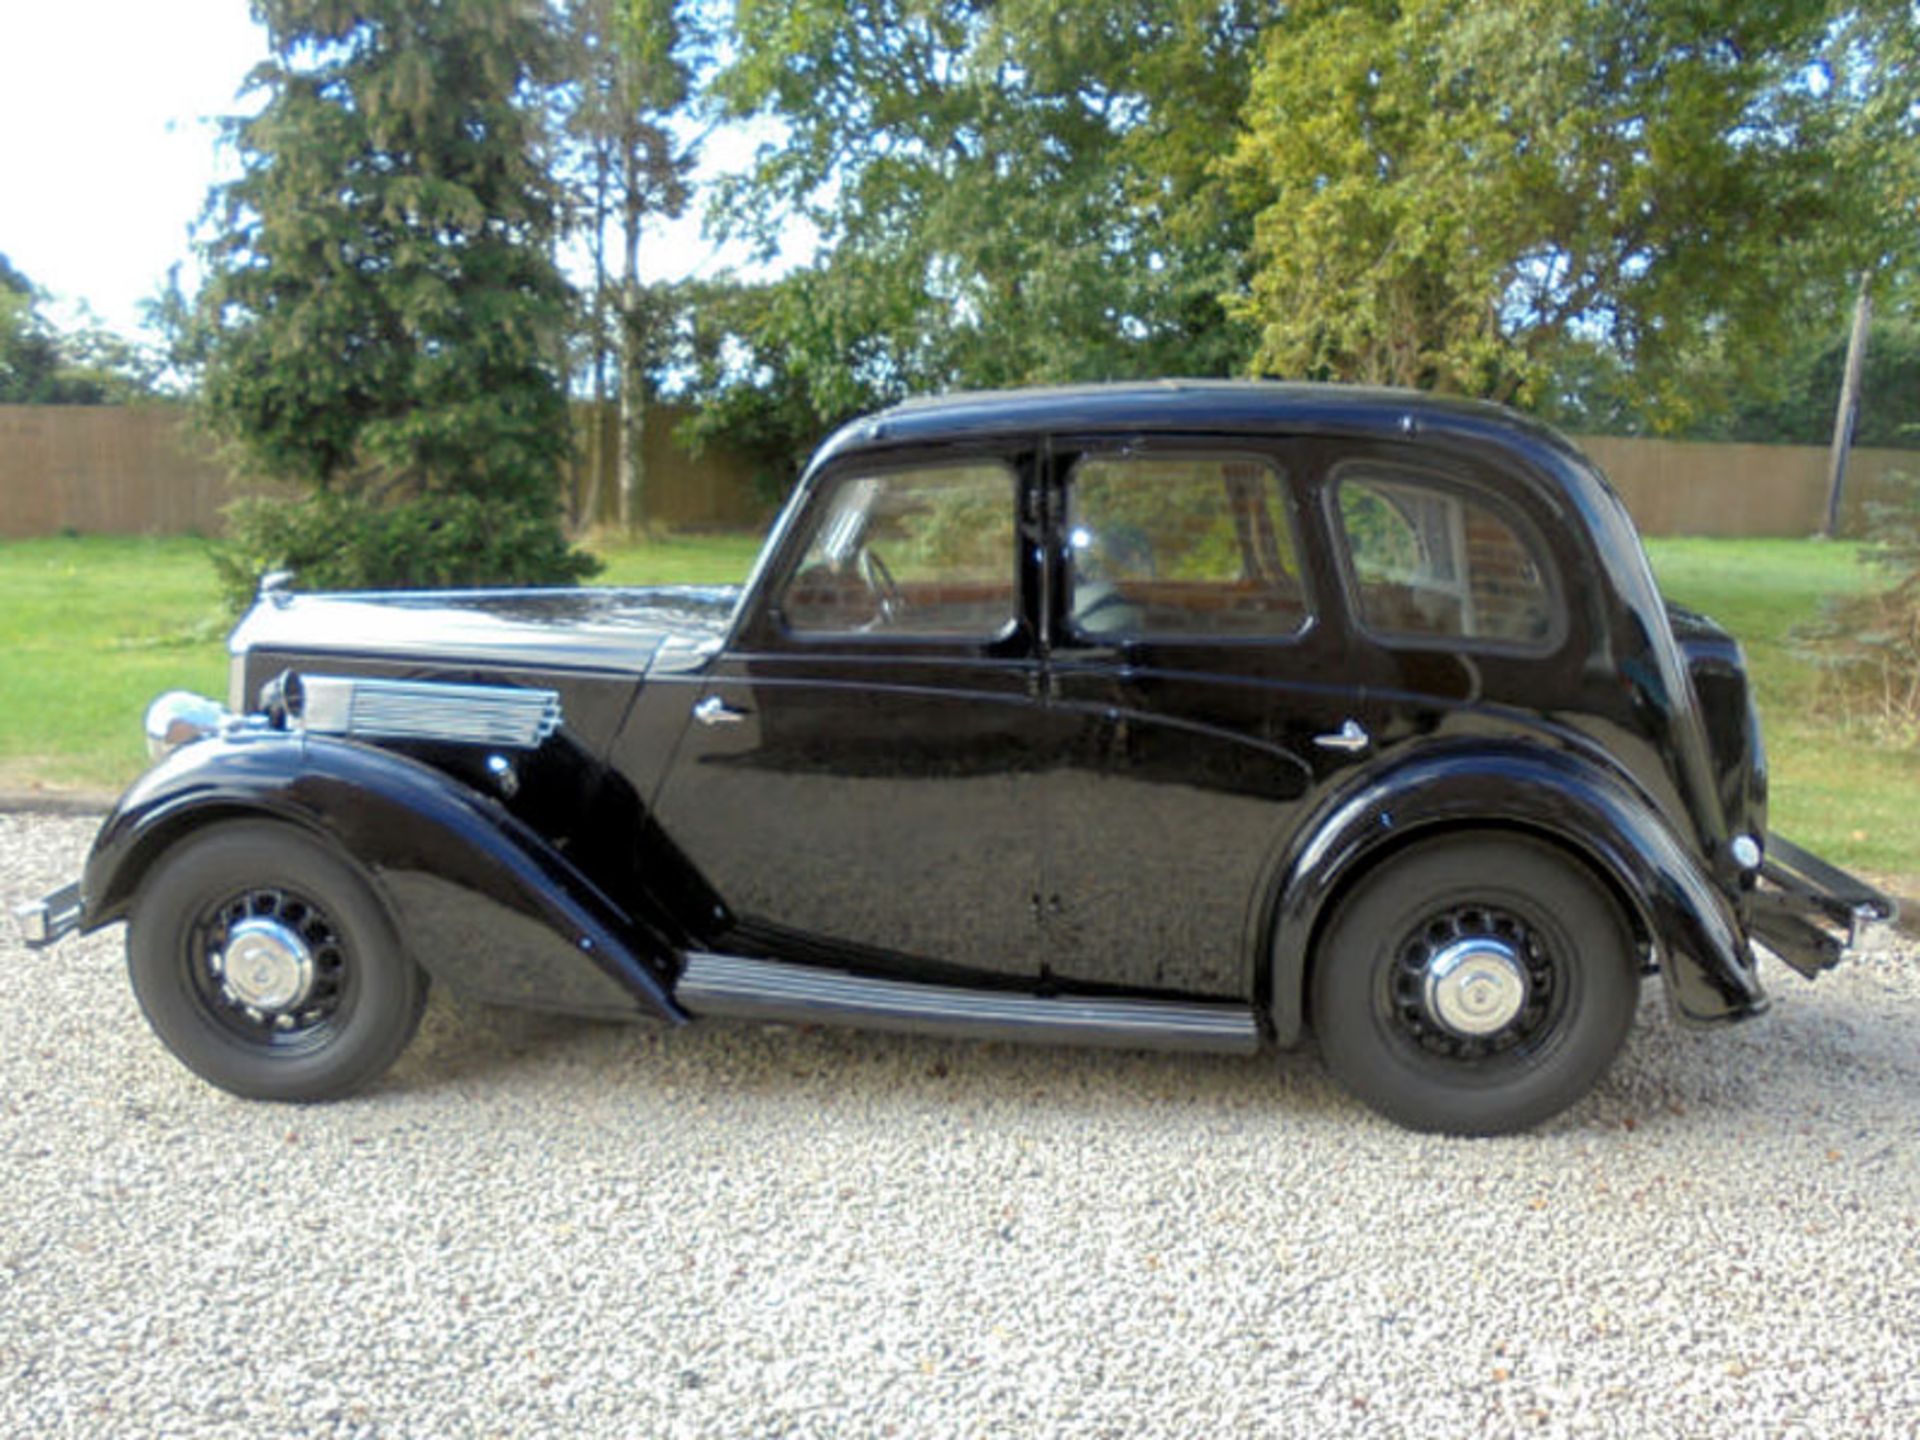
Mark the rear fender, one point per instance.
(1707, 964)
(479, 898)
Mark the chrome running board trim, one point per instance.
(742, 989)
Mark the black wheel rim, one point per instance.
(1401, 999)
(298, 1029)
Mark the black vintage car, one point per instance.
(1188, 715)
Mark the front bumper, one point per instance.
(1814, 915)
(49, 918)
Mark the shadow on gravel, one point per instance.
(462, 1044)
(1816, 1047)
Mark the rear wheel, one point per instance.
(1474, 985)
(269, 967)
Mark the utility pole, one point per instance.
(1845, 416)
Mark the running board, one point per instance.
(739, 989)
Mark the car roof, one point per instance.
(1198, 407)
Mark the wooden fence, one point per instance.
(107, 468)
(712, 490)
(142, 470)
(1687, 487)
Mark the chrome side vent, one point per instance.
(498, 716)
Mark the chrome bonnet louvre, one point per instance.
(368, 709)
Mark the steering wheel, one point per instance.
(879, 580)
(1086, 604)
(1115, 611)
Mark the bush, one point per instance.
(346, 542)
(1868, 645)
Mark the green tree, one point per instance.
(1621, 215)
(381, 311)
(42, 365)
(773, 367)
(29, 352)
(1451, 196)
(1005, 193)
(1797, 404)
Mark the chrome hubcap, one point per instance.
(1476, 986)
(267, 966)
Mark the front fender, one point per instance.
(1708, 964)
(479, 898)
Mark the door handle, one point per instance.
(1349, 737)
(715, 711)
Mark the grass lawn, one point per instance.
(722, 559)
(1835, 792)
(94, 627)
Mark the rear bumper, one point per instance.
(1814, 915)
(49, 918)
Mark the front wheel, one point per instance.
(268, 967)
(1474, 985)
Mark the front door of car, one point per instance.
(859, 781)
(1208, 706)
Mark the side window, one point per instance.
(1430, 561)
(1194, 546)
(925, 551)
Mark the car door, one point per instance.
(859, 781)
(1209, 706)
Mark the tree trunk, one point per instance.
(633, 419)
(1848, 410)
(633, 370)
(597, 427)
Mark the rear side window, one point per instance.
(1429, 560)
(1190, 546)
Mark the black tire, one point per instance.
(1534, 914)
(362, 998)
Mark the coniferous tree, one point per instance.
(381, 307)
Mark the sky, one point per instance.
(109, 152)
(107, 110)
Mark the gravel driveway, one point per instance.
(537, 1226)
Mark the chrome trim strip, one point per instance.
(744, 989)
(48, 919)
(370, 709)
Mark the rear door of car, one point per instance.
(860, 781)
(1207, 700)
